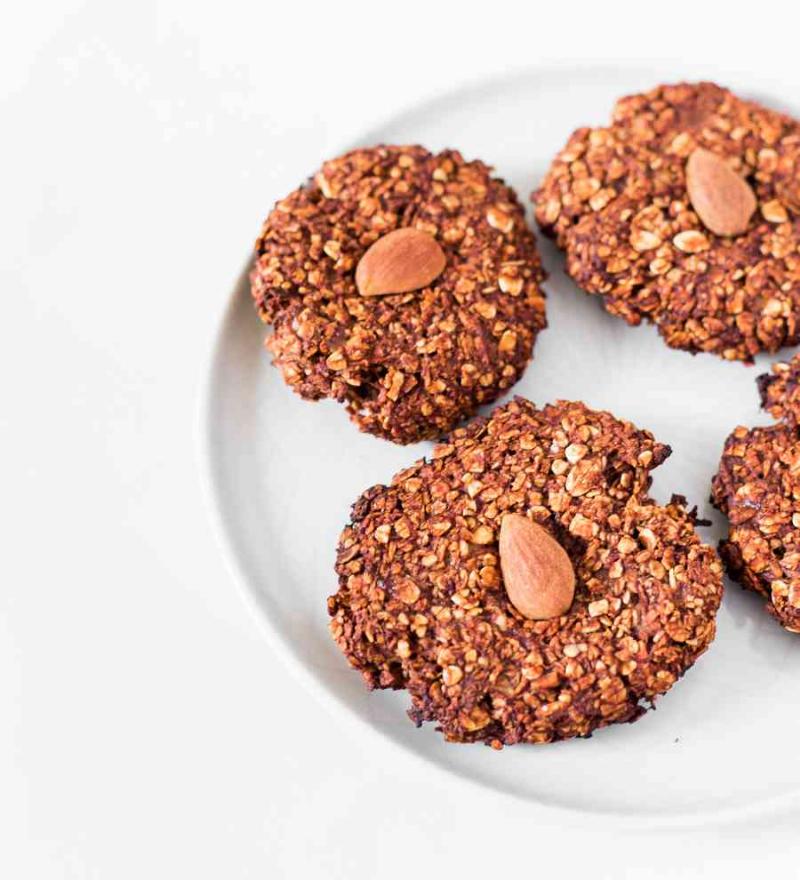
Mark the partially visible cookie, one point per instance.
(714, 268)
(757, 487)
(423, 602)
(780, 391)
(409, 365)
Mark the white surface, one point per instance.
(147, 729)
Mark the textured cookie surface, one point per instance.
(407, 366)
(758, 488)
(422, 605)
(616, 200)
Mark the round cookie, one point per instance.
(757, 487)
(616, 200)
(422, 604)
(407, 366)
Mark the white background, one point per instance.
(146, 728)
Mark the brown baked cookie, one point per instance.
(712, 262)
(410, 365)
(758, 488)
(780, 391)
(425, 602)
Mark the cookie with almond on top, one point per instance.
(684, 212)
(402, 283)
(521, 584)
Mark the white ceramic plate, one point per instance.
(284, 473)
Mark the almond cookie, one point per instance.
(758, 488)
(522, 585)
(685, 212)
(402, 283)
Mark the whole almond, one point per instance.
(401, 261)
(537, 572)
(720, 197)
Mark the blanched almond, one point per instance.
(537, 572)
(720, 197)
(399, 262)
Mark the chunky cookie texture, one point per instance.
(422, 604)
(411, 365)
(617, 201)
(758, 488)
